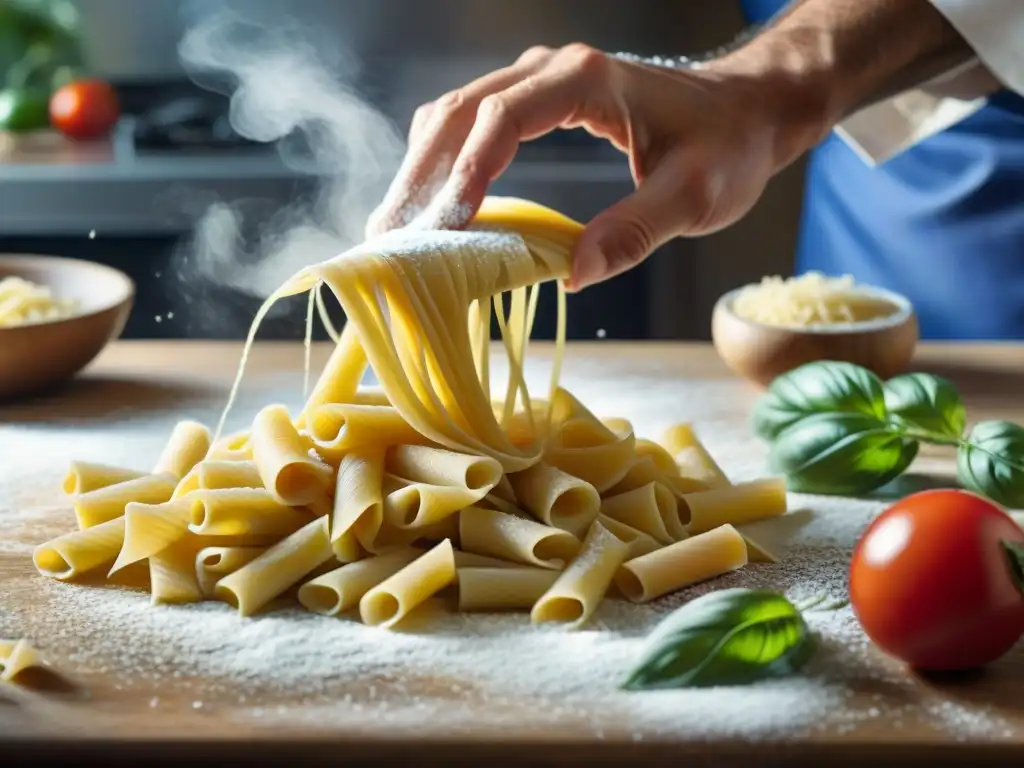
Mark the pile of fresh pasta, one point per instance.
(376, 500)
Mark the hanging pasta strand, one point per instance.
(307, 343)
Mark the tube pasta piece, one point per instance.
(420, 505)
(437, 466)
(358, 498)
(756, 553)
(214, 563)
(736, 504)
(340, 427)
(556, 498)
(487, 532)
(107, 503)
(255, 584)
(85, 476)
(496, 589)
(602, 465)
(696, 559)
(692, 457)
(216, 474)
(471, 560)
(390, 601)
(188, 445)
(579, 589)
(651, 508)
(291, 475)
(151, 528)
(172, 572)
(73, 554)
(187, 484)
(236, 447)
(643, 471)
(662, 459)
(341, 589)
(242, 512)
(16, 657)
(504, 491)
(640, 543)
(340, 379)
(618, 424)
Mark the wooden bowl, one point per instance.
(761, 352)
(37, 356)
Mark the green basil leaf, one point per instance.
(927, 403)
(841, 453)
(991, 462)
(821, 387)
(728, 637)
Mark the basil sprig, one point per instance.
(836, 428)
(728, 637)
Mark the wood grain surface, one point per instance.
(106, 713)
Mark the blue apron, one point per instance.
(941, 223)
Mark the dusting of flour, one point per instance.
(468, 671)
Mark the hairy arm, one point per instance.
(828, 58)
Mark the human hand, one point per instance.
(702, 144)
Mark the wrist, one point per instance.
(786, 90)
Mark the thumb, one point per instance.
(625, 234)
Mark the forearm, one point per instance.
(825, 59)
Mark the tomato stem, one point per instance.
(1015, 553)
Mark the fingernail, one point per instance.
(588, 265)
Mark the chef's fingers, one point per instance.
(436, 136)
(575, 88)
(674, 199)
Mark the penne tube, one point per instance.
(502, 589)
(257, 583)
(371, 396)
(661, 458)
(341, 589)
(289, 473)
(601, 465)
(151, 528)
(640, 543)
(216, 474)
(391, 601)
(437, 466)
(617, 424)
(471, 560)
(84, 476)
(556, 498)
(339, 382)
(420, 505)
(358, 497)
(339, 427)
(172, 572)
(736, 504)
(187, 446)
(108, 503)
(214, 563)
(652, 509)
(682, 564)
(16, 657)
(242, 512)
(505, 537)
(187, 484)
(581, 587)
(644, 471)
(236, 447)
(74, 554)
(692, 457)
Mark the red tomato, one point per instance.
(84, 109)
(932, 584)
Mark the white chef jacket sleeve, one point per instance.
(995, 30)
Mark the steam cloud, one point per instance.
(283, 89)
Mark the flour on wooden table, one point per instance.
(460, 671)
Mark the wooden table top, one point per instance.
(133, 688)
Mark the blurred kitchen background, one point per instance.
(133, 200)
